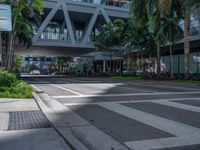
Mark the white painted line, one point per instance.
(162, 143)
(156, 100)
(178, 105)
(170, 126)
(127, 101)
(60, 87)
(129, 94)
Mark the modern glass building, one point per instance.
(67, 26)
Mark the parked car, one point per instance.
(129, 72)
(35, 72)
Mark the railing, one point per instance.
(54, 36)
(121, 4)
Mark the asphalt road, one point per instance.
(140, 115)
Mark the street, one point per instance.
(139, 115)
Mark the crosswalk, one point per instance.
(173, 131)
(184, 134)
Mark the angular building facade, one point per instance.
(67, 27)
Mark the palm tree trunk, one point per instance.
(110, 62)
(171, 62)
(11, 48)
(121, 65)
(138, 61)
(9, 63)
(158, 58)
(1, 50)
(142, 60)
(11, 53)
(186, 44)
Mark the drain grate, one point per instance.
(21, 120)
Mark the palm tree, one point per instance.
(103, 41)
(184, 9)
(22, 12)
(151, 13)
(171, 29)
(110, 38)
(139, 38)
(189, 6)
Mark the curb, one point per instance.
(60, 127)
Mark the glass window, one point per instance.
(193, 63)
(198, 63)
(175, 64)
(166, 63)
(181, 63)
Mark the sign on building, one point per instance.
(5, 18)
(5, 23)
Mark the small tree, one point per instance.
(22, 12)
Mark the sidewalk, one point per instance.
(24, 127)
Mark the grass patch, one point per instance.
(11, 87)
(126, 78)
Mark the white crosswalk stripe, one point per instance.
(185, 134)
(178, 105)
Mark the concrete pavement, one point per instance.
(137, 115)
(24, 127)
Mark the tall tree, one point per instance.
(189, 7)
(150, 13)
(22, 12)
(110, 38)
(139, 38)
(171, 28)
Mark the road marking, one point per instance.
(128, 101)
(178, 105)
(128, 94)
(170, 126)
(162, 143)
(182, 131)
(60, 87)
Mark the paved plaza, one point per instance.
(137, 115)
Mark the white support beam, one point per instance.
(105, 15)
(46, 21)
(90, 26)
(62, 27)
(68, 23)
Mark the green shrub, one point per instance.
(10, 87)
(6, 78)
(22, 88)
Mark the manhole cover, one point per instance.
(21, 120)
